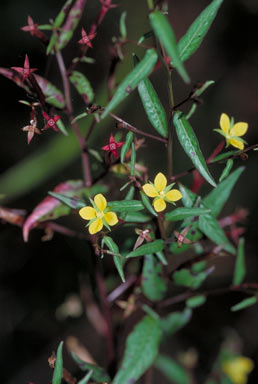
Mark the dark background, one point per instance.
(37, 277)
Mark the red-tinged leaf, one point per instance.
(53, 95)
(12, 216)
(13, 75)
(49, 204)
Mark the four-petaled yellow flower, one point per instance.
(232, 132)
(161, 192)
(238, 368)
(98, 215)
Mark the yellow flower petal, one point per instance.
(236, 143)
(160, 182)
(174, 195)
(111, 218)
(238, 368)
(87, 213)
(239, 129)
(96, 226)
(100, 202)
(149, 190)
(224, 122)
(159, 205)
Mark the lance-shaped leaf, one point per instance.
(15, 77)
(191, 41)
(211, 228)
(141, 350)
(86, 378)
(133, 159)
(189, 142)
(172, 370)
(68, 201)
(239, 272)
(122, 25)
(196, 94)
(99, 375)
(125, 206)
(70, 24)
(147, 204)
(175, 321)
(226, 170)
(185, 278)
(166, 36)
(125, 148)
(183, 213)
(153, 107)
(148, 248)
(153, 285)
(136, 217)
(244, 304)
(196, 301)
(57, 23)
(58, 371)
(118, 259)
(83, 86)
(188, 197)
(142, 70)
(52, 94)
(216, 199)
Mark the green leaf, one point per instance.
(118, 260)
(82, 85)
(189, 142)
(69, 201)
(226, 170)
(125, 206)
(133, 159)
(61, 127)
(175, 321)
(153, 107)
(142, 70)
(153, 285)
(196, 94)
(52, 94)
(148, 248)
(196, 301)
(145, 36)
(147, 204)
(216, 199)
(141, 349)
(239, 272)
(172, 370)
(86, 378)
(125, 148)
(136, 217)
(58, 371)
(183, 213)
(166, 36)
(188, 197)
(191, 41)
(185, 278)
(99, 375)
(211, 228)
(161, 257)
(244, 304)
(223, 156)
(123, 31)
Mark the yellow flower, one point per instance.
(98, 215)
(238, 368)
(161, 192)
(231, 131)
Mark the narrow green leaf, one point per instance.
(199, 266)
(188, 197)
(244, 304)
(145, 36)
(136, 217)
(99, 375)
(117, 259)
(123, 31)
(86, 378)
(142, 70)
(196, 94)
(223, 156)
(172, 370)
(185, 278)
(126, 206)
(133, 159)
(153, 285)
(166, 36)
(183, 213)
(211, 228)
(239, 272)
(216, 199)
(175, 321)
(61, 127)
(161, 257)
(69, 201)
(153, 107)
(148, 248)
(58, 371)
(189, 142)
(52, 94)
(82, 85)
(191, 41)
(196, 301)
(125, 148)
(226, 170)
(147, 204)
(141, 350)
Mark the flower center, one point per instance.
(162, 193)
(100, 214)
(112, 146)
(51, 122)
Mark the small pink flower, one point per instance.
(26, 71)
(51, 121)
(86, 39)
(31, 27)
(113, 146)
